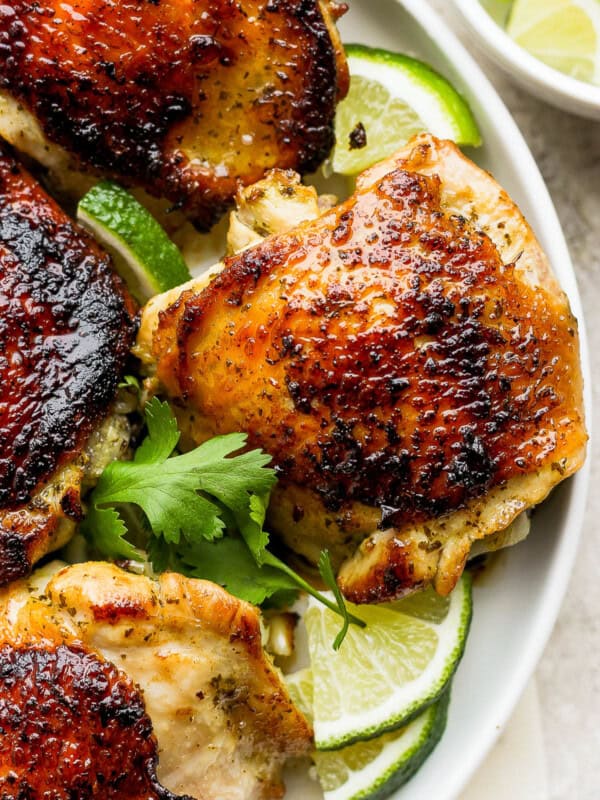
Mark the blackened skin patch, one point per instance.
(382, 354)
(187, 98)
(72, 726)
(66, 326)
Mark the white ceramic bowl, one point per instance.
(529, 72)
(517, 600)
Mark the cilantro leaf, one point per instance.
(227, 562)
(107, 529)
(174, 496)
(168, 496)
(243, 488)
(163, 434)
(252, 529)
(201, 513)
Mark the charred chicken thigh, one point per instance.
(66, 326)
(117, 686)
(185, 98)
(407, 358)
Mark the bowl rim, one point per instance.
(515, 57)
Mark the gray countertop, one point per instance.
(567, 150)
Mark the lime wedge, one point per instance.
(300, 685)
(391, 98)
(373, 769)
(565, 34)
(144, 256)
(384, 675)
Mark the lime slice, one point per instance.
(375, 768)
(144, 256)
(300, 685)
(498, 10)
(387, 673)
(565, 34)
(391, 98)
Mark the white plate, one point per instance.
(517, 600)
(529, 72)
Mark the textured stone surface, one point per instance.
(567, 150)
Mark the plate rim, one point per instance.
(476, 85)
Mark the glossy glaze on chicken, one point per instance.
(184, 98)
(72, 726)
(413, 377)
(66, 325)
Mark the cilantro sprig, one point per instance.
(202, 514)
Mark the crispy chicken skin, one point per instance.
(65, 698)
(185, 98)
(408, 359)
(66, 326)
(138, 681)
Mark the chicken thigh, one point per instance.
(116, 686)
(407, 358)
(185, 98)
(66, 326)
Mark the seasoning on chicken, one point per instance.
(66, 326)
(139, 685)
(408, 359)
(185, 98)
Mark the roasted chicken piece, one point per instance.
(66, 326)
(116, 686)
(407, 358)
(185, 98)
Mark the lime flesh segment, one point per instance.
(565, 34)
(372, 770)
(387, 673)
(300, 685)
(391, 98)
(388, 122)
(144, 256)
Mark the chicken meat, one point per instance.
(407, 358)
(114, 685)
(185, 98)
(66, 326)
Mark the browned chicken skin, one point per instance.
(113, 686)
(66, 325)
(185, 98)
(415, 379)
(79, 727)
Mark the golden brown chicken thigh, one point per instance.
(116, 686)
(408, 359)
(185, 98)
(66, 325)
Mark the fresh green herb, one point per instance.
(203, 515)
(105, 528)
(326, 570)
(178, 494)
(130, 382)
(339, 606)
(228, 562)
